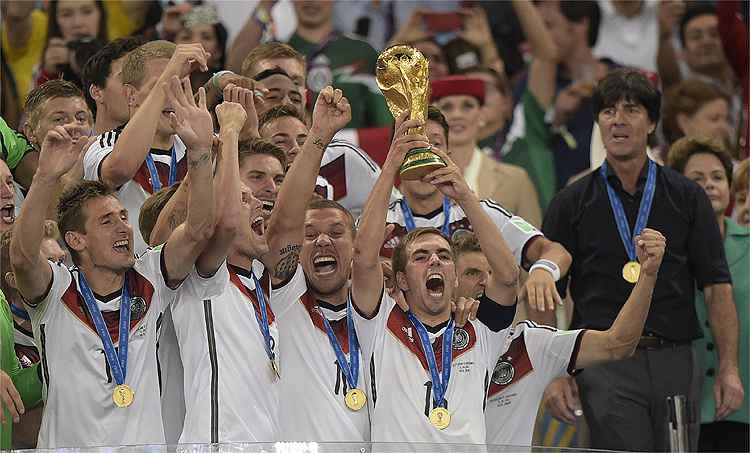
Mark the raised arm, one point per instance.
(544, 49)
(286, 226)
(134, 142)
(249, 35)
(231, 117)
(620, 340)
(502, 286)
(193, 125)
(60, 152)
(367, 275)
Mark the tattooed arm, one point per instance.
(286, 226)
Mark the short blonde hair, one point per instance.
(270, 51)
(134, 67)
(741, 180)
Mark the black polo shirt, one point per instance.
(581, 219)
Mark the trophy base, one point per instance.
(419, 162)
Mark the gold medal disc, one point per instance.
(123, 395)
(355, 399)
(630, 271)
(440, 418)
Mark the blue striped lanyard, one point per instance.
(118, 361)
(439, 385)
(155, 181)
(351, 367)
(262, 318)
(409, 216)
(643, 210)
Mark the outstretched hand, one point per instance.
(191, 122)
(61, 150)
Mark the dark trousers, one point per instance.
(625, 402)
(724, 436)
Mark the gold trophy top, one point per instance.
(402, 75)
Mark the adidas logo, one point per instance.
(392, 243)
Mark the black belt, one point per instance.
(654, 342)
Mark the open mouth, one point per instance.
(258, 225)
(325, 264)
(435, 285)
(268, 206)
(122, 246)
(8, 213)
(617, 138)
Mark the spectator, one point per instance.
(335, 59)
(734, 39)
(201, 25)
(368, 20)
(102, 84)
(24, 37)
(629, 32)
(574, 26)
(697, 108)
(624, 402)
(741, 195)
(710, 166)
(67, 21)
(7, 198)
(460, 98)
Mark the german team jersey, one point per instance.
(133, 193)
(350, 172)
(400, 384)
(78, 384)
(534, 356)
(313, 385)
(231, 391)
(515, 230)
(25, 346)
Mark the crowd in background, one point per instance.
(515, 82)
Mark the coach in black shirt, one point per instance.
(625, 402)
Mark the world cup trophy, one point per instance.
(402, 75)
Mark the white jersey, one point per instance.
(171, 377)
(312, 384)
(231, 392)
(133, 193)
(351, 172)
(25, 346)
(534, 356)
(78, 384)
(515, 230)
(400, 381)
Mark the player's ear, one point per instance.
(401, 282)
(75, 240)
(10, 279)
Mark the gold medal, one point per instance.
(440, 417)
(355, 399)
(123, 395)
(630, 271)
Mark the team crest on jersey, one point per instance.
(503, 373)
(137, 307)
(460, 338)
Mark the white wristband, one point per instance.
(548, 266)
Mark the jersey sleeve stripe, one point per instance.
(492, 205)
(574, 355)
(208, 315)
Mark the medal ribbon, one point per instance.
(439, 386)
(263, 318)
(643, 211)
(20, 312)
(155, 181)
(118, 362)
(350, 369)
(409, 216)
